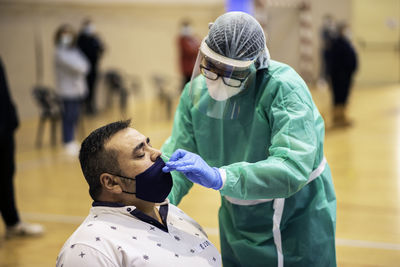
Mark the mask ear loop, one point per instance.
(129, 178)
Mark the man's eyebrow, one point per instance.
(141, 145)
(138, 147)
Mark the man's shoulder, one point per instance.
(99, 234)
(172, 209)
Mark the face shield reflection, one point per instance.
(231, 76)
(217, 83)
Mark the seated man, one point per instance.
(131, 222)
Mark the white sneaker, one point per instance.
(72, 148)
(24, 229)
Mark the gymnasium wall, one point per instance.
(140, 39)
(140, 36)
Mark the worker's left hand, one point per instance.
(194, 168)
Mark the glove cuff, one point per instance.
(218, 182)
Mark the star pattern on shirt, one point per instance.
(146, 257)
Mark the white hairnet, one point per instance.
(238, 35)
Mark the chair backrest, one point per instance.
(113, 80)
(46, 100)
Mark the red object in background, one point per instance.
(188, 49)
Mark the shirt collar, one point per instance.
(107, 204)
(140, 215)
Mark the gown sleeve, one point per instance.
(181, 137)
(292, 153)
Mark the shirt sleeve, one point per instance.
(292, 153)
(73, 60)
(83, 256)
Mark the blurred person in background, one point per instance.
(71, 67)
(131, 222)
(343, 66)
(92, 47)
(247, 126)
(8, 124)
(188, 46)
(328, 33)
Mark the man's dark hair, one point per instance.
(95, 159)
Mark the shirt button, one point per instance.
(129, 209)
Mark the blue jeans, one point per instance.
(70, 118)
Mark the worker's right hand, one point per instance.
(194, 168)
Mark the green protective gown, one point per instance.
(268, 153)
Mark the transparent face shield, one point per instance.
(218, 83)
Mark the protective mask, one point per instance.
(348, 34)
(186, 31)
(153, 184)
(66, 40)
(89, 29)
(219, 91)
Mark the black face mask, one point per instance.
(153, 184)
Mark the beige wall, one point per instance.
(139, 38)
(283, 28)
(377, 38)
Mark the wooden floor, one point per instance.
(365, 161)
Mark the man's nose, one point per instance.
(155, 153)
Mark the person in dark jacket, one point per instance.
(328, 33)
(343, 66)
(92, 47)
(8, 124)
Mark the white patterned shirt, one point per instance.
(117, 235)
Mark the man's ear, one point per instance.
(110, 183)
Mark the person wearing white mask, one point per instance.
(247, 126)
(71, 67)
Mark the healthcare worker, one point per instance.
(248, 127)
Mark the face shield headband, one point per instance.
(153, 184)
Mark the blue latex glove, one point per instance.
(194, 168)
